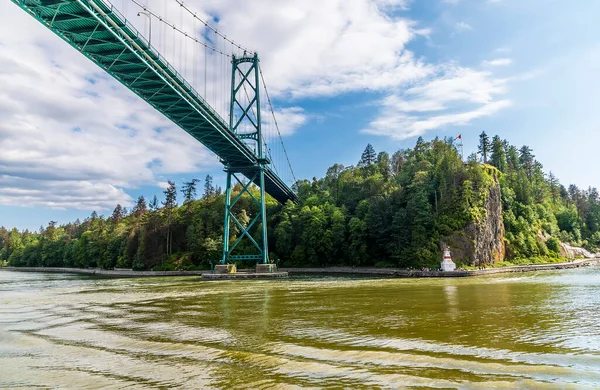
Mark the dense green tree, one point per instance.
(368, 157)
(484, 146)
(189, 191)
(140, 208)
(383, 165)
(169, 205)
(554, 186)
(526, 158)
(154, 203)
(117, 215)
(386, 212)
(498, 157)
(209, 189)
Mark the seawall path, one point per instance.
(404, 273)
(383, 272)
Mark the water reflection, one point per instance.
(536, 330)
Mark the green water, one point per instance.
(531, 330)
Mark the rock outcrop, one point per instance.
(571, 252)
(482, 241)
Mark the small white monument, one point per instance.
(447, 263)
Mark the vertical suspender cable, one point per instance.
(173, 51)
(205, 63)
(186, 60)
(163, 34)
(276, 125)
(195, 63)
(214, 67)
(181, 65)
(223, 78)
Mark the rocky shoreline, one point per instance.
(383, 272)
(117, 273)
(404, 273)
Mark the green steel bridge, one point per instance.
(100, 32)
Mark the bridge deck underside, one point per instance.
(99, 32)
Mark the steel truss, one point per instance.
(245, 83)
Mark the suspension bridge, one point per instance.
(211, 86)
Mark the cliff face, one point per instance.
(571, 252)
(482, 241)
(488, 235)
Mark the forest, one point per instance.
(385, 211)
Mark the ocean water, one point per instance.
(534, 330)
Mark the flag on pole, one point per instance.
(461, 146)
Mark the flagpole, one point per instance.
(462, 156)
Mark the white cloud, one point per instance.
(58, 129)
(498, 62)
(393, 4)
(72, 137)
(455, 97)
(96, 139)
(289, 119)
(462, 26)
(86, 195)
(315, 48)
(163, 185)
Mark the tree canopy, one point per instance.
(386, 211)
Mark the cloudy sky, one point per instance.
(343, 73)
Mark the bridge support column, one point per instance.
(244, 228)
(245, 122)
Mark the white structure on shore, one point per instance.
(447, 263)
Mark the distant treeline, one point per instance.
(385, 211)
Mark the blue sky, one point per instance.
(343, 73)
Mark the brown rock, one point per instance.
(481, 242)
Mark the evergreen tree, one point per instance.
(209, 190)
(189, 195)
(554, 186)
(154, 204)
(169, 204)
(368, 157)
(526, 158)
(170, 195)
(512, 158)
(383, 164)
(484, 146)
(352, 216)
(420, 143)
(117, 214)
(189, 191)
(140, 208)
(498, 158)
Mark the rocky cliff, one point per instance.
(482, 241)
(571, 252)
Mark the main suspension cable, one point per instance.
(276, 124)
(190, 36)
(194, 14)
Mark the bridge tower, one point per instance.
(245, 123)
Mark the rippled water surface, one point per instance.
(532, 330)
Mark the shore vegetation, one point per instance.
(388, 210)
